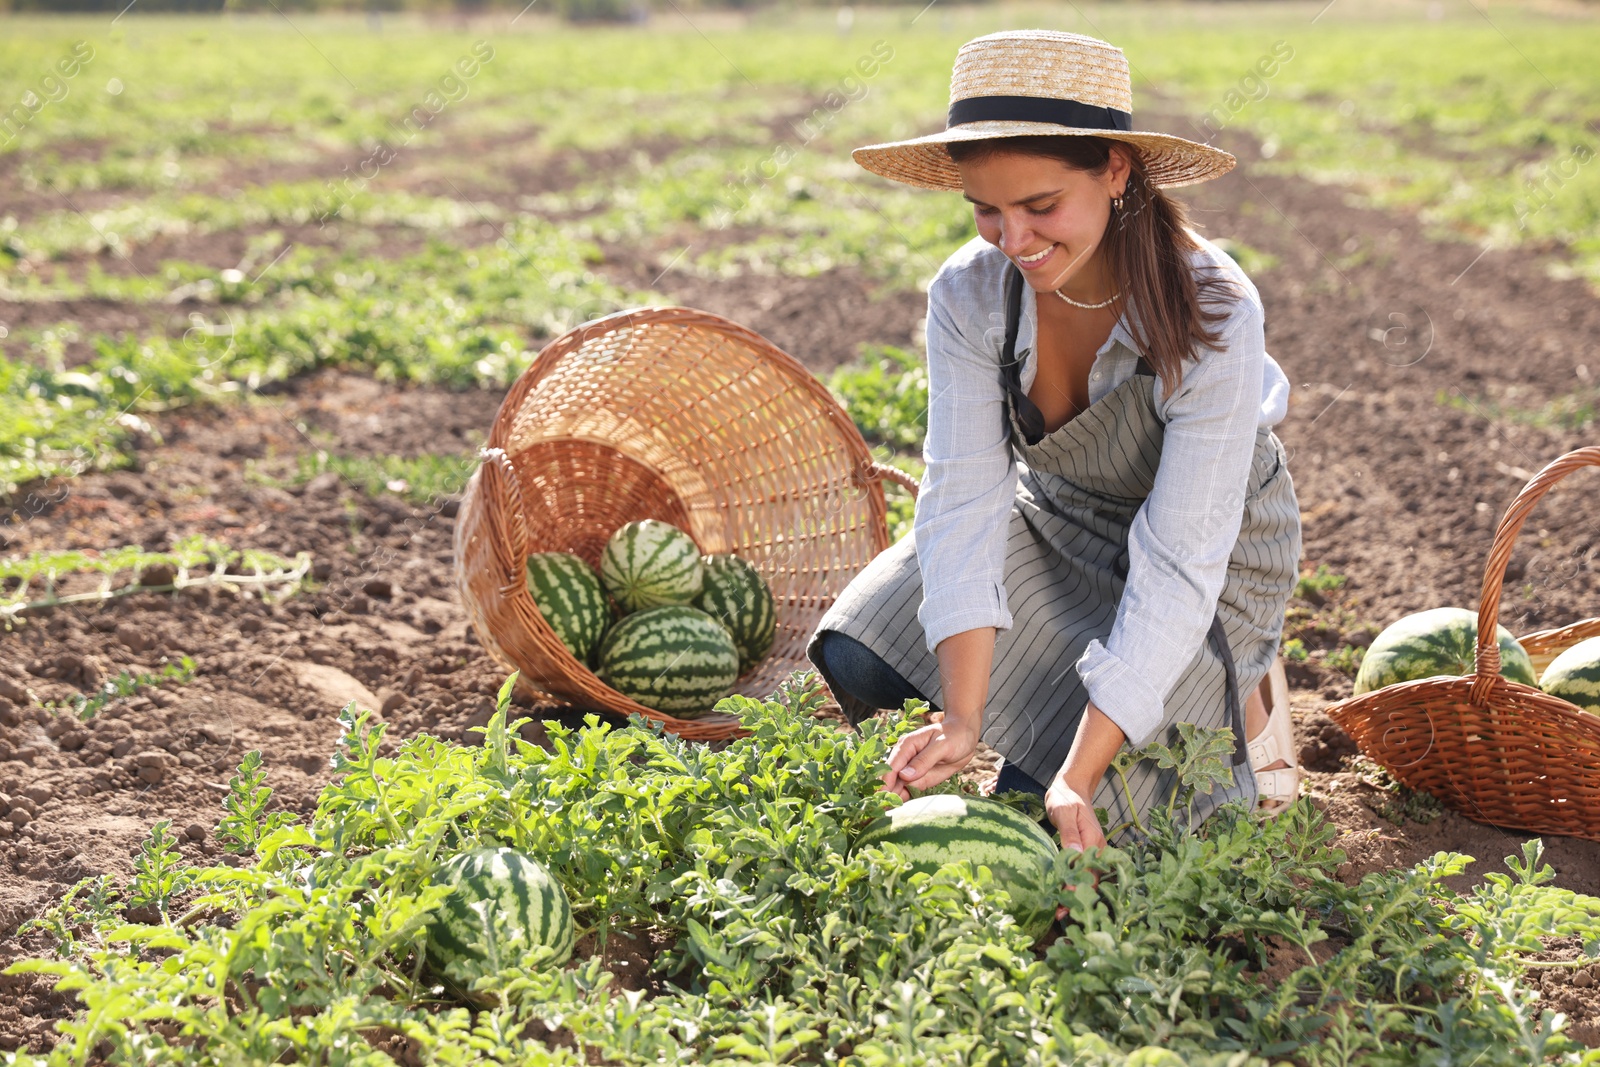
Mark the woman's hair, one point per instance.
(1146, 249)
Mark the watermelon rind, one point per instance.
(1439, 641)
(651, 563)
(568, 594)
(941, 828)
(505, 904)
(737, 596)
(674, 658)
(1574, 675)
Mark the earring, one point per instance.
(1116, 203)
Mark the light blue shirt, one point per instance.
(1181, 536)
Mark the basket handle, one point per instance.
(514, 528)
(1487, 658)
(874, 471)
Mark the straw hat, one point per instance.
(1023, 83)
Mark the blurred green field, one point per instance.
(315, 226)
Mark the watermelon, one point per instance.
(941, 828)
(1574, 676)
(674, 658)
(737, 596)
(650, 563)
(505, 904)
(568, 594)
(1434, 642)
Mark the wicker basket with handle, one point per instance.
(675, 414)
(1545, 645)
(1494, 750)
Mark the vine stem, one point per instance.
(217, 576)
(1133, 809)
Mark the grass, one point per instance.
(886, 392)
(423, 479)
(1480, 122)
(29, 583)
(1325, 624)
(249, 125)
(126, 684)
(1395, 802)
(1346, 659)
(1318, 583)
(1571, 411)
(456, 317)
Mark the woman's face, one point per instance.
(1029, 206)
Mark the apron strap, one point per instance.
(1027, 412)
(1219, 640)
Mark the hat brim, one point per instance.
(923, 161)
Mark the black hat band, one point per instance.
(1037, 109)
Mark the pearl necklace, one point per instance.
(1090, 307)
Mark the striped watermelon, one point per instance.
(674, 658)
(737, 596)
(650, 563)
(943, 827)
(1574, 676)
(505, 904)
(568, 593)
(1433, 642)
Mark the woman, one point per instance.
(1106, 536)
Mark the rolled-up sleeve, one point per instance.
(1183, 534)
(963, 506)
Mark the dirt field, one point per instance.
(1399, 491)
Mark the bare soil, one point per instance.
(1399, 491)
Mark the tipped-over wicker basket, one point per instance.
(675, 414)
(1494, 750)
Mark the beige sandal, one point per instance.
(1279, 787)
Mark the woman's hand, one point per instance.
(1067, 801)
(930, 754)
(1073, 816)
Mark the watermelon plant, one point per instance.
(1232, 945)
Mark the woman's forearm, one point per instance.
(1093, 748)
(965, 660)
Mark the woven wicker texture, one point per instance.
(1041, 63)
(680, 415)
(1545, 645)
(1496, 751)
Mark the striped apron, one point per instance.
(1066, 566)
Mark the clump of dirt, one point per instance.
(1326, 745)
(1572, 988)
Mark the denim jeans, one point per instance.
(869, 679)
